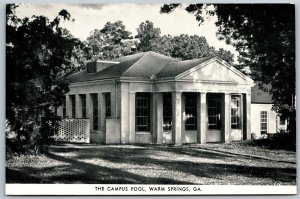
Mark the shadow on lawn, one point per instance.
(77, 171)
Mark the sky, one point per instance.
(93, 16)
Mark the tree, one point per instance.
(147, 34)
(38, 53)
(183, 46)
(225, 55)
(108, 43)
(191, 47)
(264, 35)
(163, 45)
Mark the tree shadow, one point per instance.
(208, 170)
(82, 172)
(169, 159)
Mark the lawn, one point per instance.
(210, 164)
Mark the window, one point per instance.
(167, 111)
(235, 112)
(64, 105)
(263, 122)
(107, 105)
(142, 112)
(190, 111)
(281, 120)
(214, 112)
(83, 105)
(73, 108)
(95, 111)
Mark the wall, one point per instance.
(255, 118)
(112, 132)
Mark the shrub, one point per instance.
(282, 140)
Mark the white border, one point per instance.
(32, 187)
(110, 189)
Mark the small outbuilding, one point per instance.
(151, 98)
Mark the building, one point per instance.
(264, 120)
(152, 98)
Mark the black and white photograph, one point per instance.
(150, 99)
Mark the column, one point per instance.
(89, 109)
(132, 118)
(247, 117)
(113, 104)
(227, 119)
(124, 113)
(68, 106)
(78, 106)
(101, 112)
(198, 118)
(202, 118)
(157, 118)
(176, 117)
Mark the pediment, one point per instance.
(215, 70)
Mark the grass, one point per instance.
(210, 164)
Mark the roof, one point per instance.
(113, 71)
(144, 65)
(259, 96)
(175, 68)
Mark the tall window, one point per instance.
(83, 105)
(95, 111)
(142, 112)
(235, 112)
(107, 105)
(167, 111)
(190, 111)
(263, 122)
(73, 103)
(64, 106)
(214, 112)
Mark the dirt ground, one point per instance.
(209, 164)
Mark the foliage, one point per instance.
(146, 34)
(113, 41)
(264, 35)
(183, 46)
(108, 43)
(282, 140)
(38, 53)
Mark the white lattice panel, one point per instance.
(73, 130)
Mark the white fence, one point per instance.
(73, 130)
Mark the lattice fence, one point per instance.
(73, 130)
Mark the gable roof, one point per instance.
(259, 96)
(175, 68)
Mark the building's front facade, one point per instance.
(151, 98)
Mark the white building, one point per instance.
(151, 98)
